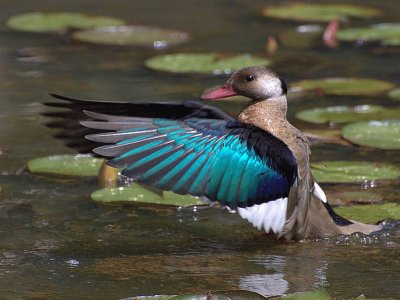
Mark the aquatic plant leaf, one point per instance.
(343, 86)
(312, 295)
(318, 12)
(73, 165)
(353, 171)
(329, 136)
(58, 21)
(394, 94)
(387, 33)
(155, 297)
(131, 36)
(383, 134)
(353, 197)
(222, 295)
(136, 193)
(370, 213)
(212, 63)
(345, 114)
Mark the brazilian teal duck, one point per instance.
(256, 164)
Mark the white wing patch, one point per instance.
(319, 193)
(271, 215)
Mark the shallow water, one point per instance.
(55, 243)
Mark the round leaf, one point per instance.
(353, 171)
(318, 12)
(370, 213)
(343, 86)
(136, 193)
(388, 33)
(344, 114)
(203, 62)
(394, 94)
(375, 134)
(58, 21)
(74, 165)
(131, 36)
(309, 295)
(353, 197)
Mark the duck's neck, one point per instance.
(269, 114)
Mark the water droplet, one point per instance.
(73, 262)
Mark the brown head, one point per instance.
(257, 83)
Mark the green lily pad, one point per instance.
(222, 295)
(330, 136)
(73, 165)
(318, 12)
(370, 213)
(353, 171)
(343, 86)
(58, 21)
(387, 33)
(375, 134)
(353, 197)
(131, 36)
(155, 297)
(345, 114)
(311, 295)
(136, 193)
(394, 94)
(213, 63)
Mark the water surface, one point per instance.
(55, 243)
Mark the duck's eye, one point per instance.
(249, 78)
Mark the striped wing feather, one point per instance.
(223, 160)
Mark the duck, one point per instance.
(256, 164)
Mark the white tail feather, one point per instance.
(271, 215)
(319, 193)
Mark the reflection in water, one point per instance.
(309, 275)
(267, 284)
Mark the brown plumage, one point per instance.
(306, 214)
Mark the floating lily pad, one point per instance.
(74, 165)
(343, 86)
(325, 133)
(204, 62)
(58, 21)
(131, 36)
(370, 213)
(136, 193)
(387, 33)
(375, 134)
(311, 295)
(394, 94)
(318, 12)
(353, 197)
(319, 136)
(222, 295)
(353, 171)
(345, 114)
(156, 297)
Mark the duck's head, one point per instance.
(257, 83)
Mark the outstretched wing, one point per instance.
(69, 114)
(239, 165)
